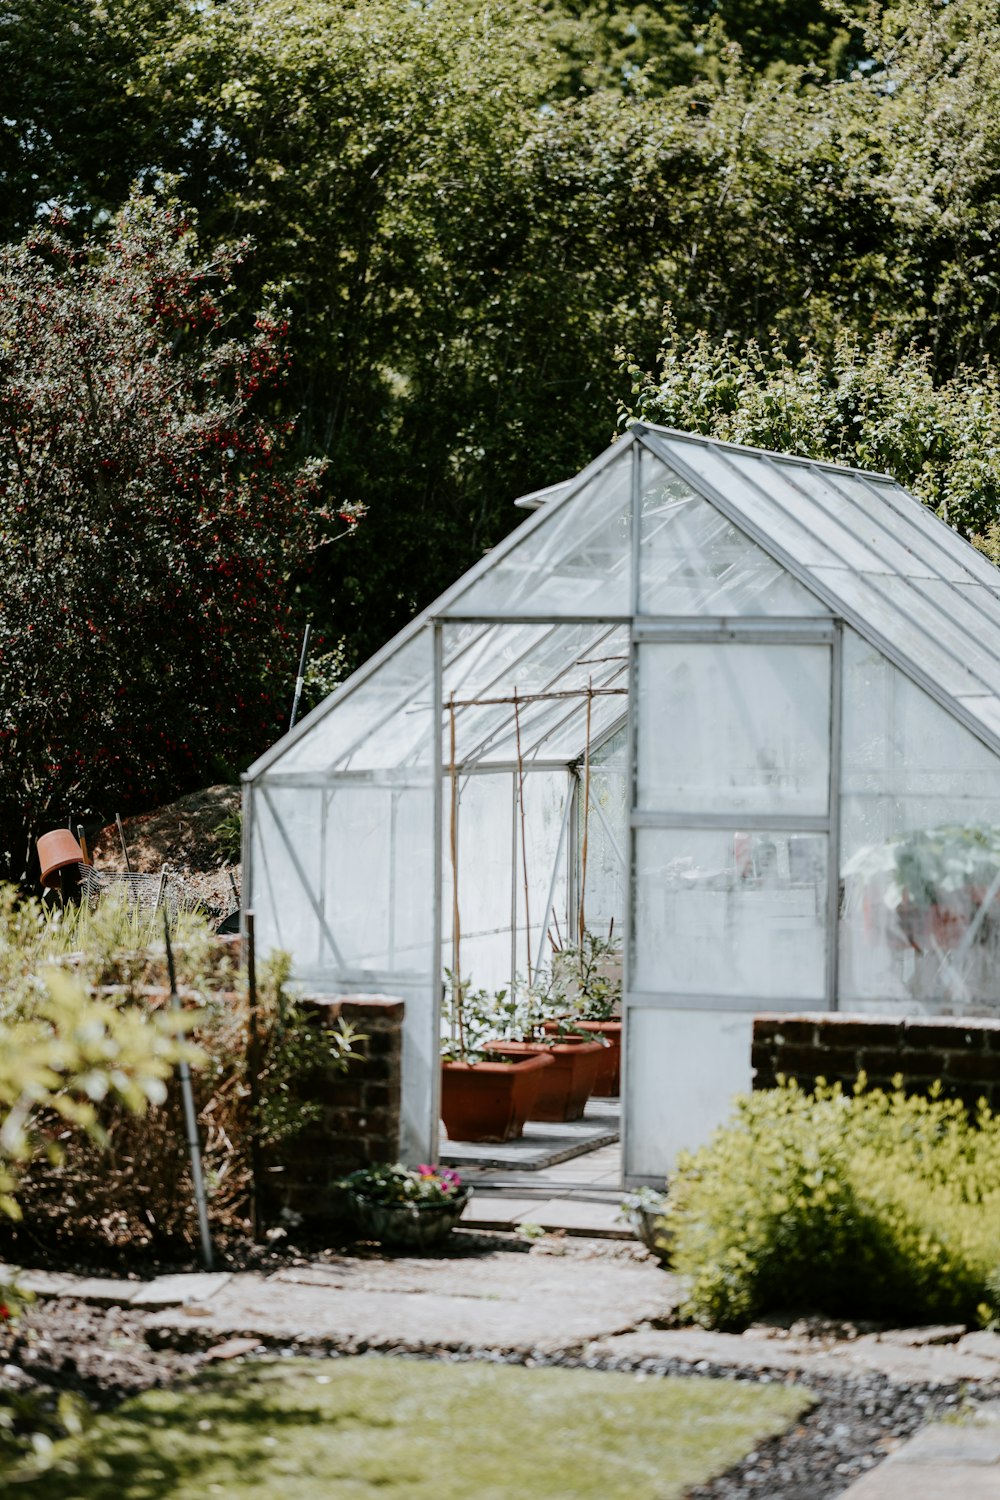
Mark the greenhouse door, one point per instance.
(731, 843)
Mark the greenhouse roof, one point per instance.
(544, 618)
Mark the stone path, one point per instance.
(946, 1461)
(590, 1300)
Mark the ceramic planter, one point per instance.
(489, 1101)
(568, 1084)
(410, 1226)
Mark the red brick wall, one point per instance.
(963, 1052)
(358, 1124)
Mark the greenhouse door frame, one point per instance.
(717, 630)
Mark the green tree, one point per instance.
(148, 522)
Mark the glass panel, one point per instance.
(910, 523)
(793, 536)
(850, 505)
(861, 600)
(734, 728)
(543, 863)
(695, 562)
(920, 848)
(574, 561)
(607, 837)
(955, 624)
(485, 887)
(384, 722)
(682, 1069)
(550, 668)
(285, 865)
(799, 492)
(939, 533)
(721, 912)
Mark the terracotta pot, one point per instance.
(607, 1085)
(57, 850)
(490, 1101)
(568, 1084)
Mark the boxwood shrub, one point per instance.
(869, 1205)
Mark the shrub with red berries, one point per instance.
(150, 517)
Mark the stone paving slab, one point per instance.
(961, 1482)
(546, 1146)
(493, 1211)
(946, 1461)
(495, 1301)
(173, 1291)
(577, 1216)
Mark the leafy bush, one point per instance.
(91, 1168)
(877, 1205)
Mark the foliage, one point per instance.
(467, 208)
(229, 833)
(586, 978)
(400, 1184)
(932, 865)
(127, 1174)
(148, 500)
(418, 1428)
(876, 407)
(470, 1018)
(876, 1205)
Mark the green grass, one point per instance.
(418, 1430)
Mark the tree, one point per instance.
(149, 520)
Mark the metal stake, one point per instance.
(300, 679)
(121, 835)
(190, 1118)
(253, 1072)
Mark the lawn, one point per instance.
(418, 1430)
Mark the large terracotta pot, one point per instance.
(607, 1085)
(490, 1101)
(569, 1083)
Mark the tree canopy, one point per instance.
(466, 209)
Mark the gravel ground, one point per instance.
(108, 1354)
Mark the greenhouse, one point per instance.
(739, 710)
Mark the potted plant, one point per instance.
(533, 1028)
(936, 884)
(484, 1097)
(407, 1207)
(587, 988)
(646, 1211)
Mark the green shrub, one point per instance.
(877, 1205)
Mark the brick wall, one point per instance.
(358, 1124)
(963, 1052)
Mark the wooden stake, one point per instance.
(121, 835)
